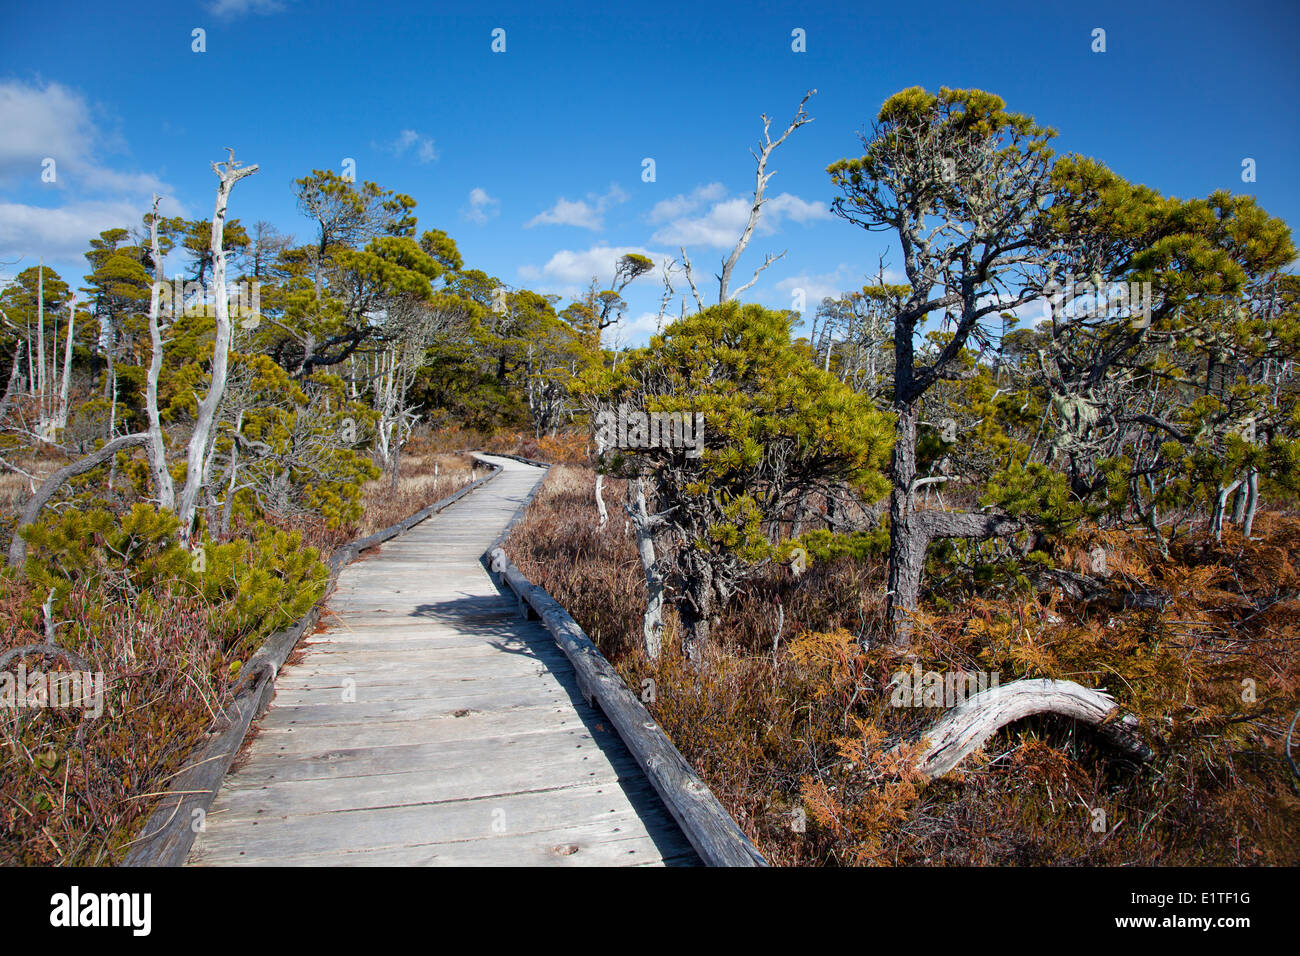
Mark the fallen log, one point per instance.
(717, 838)
(966, 728)
(1083, 588)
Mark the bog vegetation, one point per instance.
(1065, 446)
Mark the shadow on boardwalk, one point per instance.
(430, 725)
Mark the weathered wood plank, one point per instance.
(425, 703)
(706, 823)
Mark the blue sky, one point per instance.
(532, 158)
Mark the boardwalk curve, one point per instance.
(429, 724)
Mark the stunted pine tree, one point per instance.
(959, 180)
(730, 425)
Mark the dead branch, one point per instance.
(964, 729)
(18, 546)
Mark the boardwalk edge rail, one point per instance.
(717, 838)
(171, 829)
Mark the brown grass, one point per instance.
(795, 733)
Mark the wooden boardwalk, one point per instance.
(431, 725)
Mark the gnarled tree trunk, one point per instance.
(652, 625)
(18, 547)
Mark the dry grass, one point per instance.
(794, 732)
(425, 477)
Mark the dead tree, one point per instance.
(761, 179)
(164, 488)
(228, 173)
(646, 525)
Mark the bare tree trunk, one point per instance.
(18, 547)
(43, 424)
(911, 530)
(652, 625)
(694, 608)
(15, 378)
(112, 427)
(110, 372)
(1220, 507)
(600, 485)
(1252, 502)
(906, 548)
(163, 486)
(227, 176)
(61, 420)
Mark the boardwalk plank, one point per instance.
(427, 723)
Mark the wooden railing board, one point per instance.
(716, 837)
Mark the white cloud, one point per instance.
(425, 151)
(570, 266)
(52, 122)
(818, 286)
(585, 214)
(230, 9)
(55, 122)
(788, 205)
(569, 271)
(644, 325)
(721, 226)
(64, 233)
(682, 204)
(482, 207)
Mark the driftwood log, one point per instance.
(966, 728)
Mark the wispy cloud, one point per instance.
(684, 203)
(64, 233)
(233, 9)
(585, 214)
(482, 207)
(55, 123)
(407, 140)
(568, 270)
